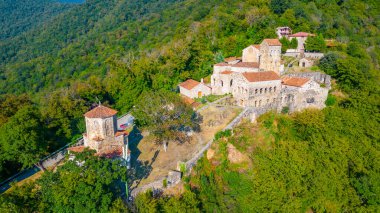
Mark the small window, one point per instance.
(265, 90)
(270, 89)
(221, 83)
(274, 89)
(261, 90)
(256, 90)
(231, 83)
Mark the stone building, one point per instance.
(283, 32)
(270, 55)
(254, 81)
(305, 62)
(194, 89)
(255, 58)
(299, 93)
(255, 88)
(102, 134)
(301, 38)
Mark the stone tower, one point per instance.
(270, 55)
(102, 134)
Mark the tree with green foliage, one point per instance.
(315, 44)
(166, 116)
(22, 138)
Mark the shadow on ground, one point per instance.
(139, 170)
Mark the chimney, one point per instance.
(202, 80)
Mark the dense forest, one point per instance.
(17, 17)
(54, 70)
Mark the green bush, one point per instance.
(165, 183)
(285, 110)
(223, 134)
(331, 100)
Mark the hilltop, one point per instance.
(115, 51)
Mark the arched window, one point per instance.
(265, 90)
(261, 90)
(231, 83)
(221, 83)
(246, 91)
(270, 89)
(256, 90)
(259, 102)
(214, 82)
(274, 89)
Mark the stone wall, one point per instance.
(316, 76)
(313, 55)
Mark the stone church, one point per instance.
(103, 136)
(254, 81)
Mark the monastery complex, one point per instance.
(257, 79)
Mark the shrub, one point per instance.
(222, 134)
(331, 100)
(285, 110)
(165, 183)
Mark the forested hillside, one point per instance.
(114, 50)
(18, 16)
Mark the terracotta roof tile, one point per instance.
(261, 76)
(222, 64)
(257, 46)
(100, 112)
(189, 84)
(111, 153)
(230, 59)
(295, 81)
(272, 42)
(187, 100)
(247, 64)
(227, 72)
(123, 132)
(76, 148)
(301, 34)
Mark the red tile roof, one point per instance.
(230, 59)
(301, 34)
(189, 84)
(247, 64)
(100, 112)
(111, 153)
(257, 46)
(76, 148)
(226, 72)
(272, 42)
(187, 100)
(295, 81)
(222, 64)
(123, 132)
(261, 76)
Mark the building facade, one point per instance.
(102, 134)
(194, 89)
